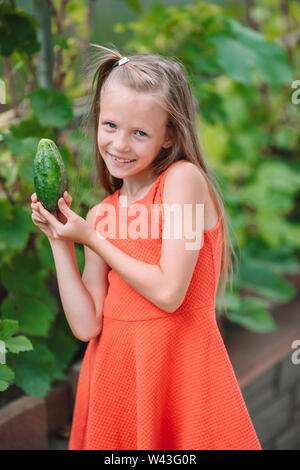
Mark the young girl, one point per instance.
(155, 374)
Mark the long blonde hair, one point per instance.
(166, 80)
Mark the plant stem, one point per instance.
(45, 64)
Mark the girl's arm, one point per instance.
(82, 298)
(166, 284)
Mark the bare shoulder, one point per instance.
(187, 178)
(185, 182)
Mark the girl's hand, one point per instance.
(38, 220)
(57, 213)
(63, 224)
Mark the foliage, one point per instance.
(32, 321)
(12, 344)
(17, 31)
(51, 107)
(38, 342)
(241, 76)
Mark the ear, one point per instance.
(170, 138)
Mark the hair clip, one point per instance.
(123, 61)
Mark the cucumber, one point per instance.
(49, 174)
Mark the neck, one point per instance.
(132, 188)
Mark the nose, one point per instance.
(120, 143)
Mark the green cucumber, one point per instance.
(49, 174)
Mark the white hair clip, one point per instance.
(123, 61)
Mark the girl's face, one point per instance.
(132, 126)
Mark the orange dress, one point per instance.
(155, 380)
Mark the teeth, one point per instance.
(122, 160)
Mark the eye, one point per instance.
(142, 133)
(108, 123)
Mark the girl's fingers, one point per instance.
(67, 197)
(39, 217)
(49, 217)
(35, 206)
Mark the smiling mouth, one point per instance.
(122, 160)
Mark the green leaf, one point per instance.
(277, 175)
(63, 347)
(9, 171)
(281, 260)
(272, 64)
(25, 169)
(267, 199)
(292, 235)
(235, 58)
(28, 128)
(8, 328)
(284, 137)
(44, 254)
(200, 57)
(33, 316)
(275, 230)
(23, 274)
(248, 50)
(6, 377)
(34, 370)
(18, 344)
(248, 36)
(21, 147)
(211, 104)
(15, 225)
(51, 107)
(17, 32)
(257, 275)
(252, 315)
(270, 58)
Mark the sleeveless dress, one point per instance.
(158, 380)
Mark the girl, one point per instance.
(155, 374)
